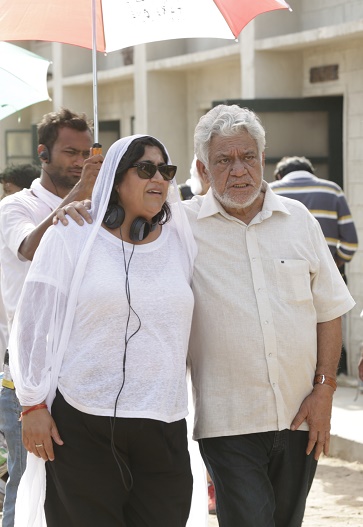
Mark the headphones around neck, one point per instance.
(140, 227)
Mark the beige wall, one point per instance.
(348, 56)
(166, 115)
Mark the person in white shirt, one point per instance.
(266, 333)
(98, 353)
(67, 173)
(13, 179)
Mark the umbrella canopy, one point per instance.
(123, 23)
(23, 79)
(108, 25)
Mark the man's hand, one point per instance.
(83, 189)
(316, 410)
(39, 431)
(77, 210)
(77, 202)
(360, 368)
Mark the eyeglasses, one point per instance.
(148, 170)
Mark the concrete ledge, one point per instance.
(346, 449)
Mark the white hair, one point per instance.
(227, 121)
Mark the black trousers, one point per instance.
(85, 487)
(262, 479)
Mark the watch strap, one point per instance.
(320, 378)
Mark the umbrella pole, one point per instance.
(94, 72)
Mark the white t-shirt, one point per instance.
(20, 213)
(161, 302)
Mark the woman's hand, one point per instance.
(39, 432)
(77, 210)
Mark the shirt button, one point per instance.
(270, 354)
(266, 321)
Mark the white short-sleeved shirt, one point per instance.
(260, 290)
(20, 213)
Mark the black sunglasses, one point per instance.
(148, 170)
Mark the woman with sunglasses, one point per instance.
(98, 351)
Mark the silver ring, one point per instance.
(38, 446)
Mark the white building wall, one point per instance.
(278, 74)
(348, 56)
(116, 102)
(167, 105)
(318, 13)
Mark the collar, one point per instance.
(299, 174)
(271, 203)
(43, 194)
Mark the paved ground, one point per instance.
(336, 497)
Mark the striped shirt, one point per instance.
(326, 201)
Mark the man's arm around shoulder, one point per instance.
(81, 191)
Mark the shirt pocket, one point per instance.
(293, 280)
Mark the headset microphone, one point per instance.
(44, 155)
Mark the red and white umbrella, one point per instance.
(108, 25)
(123, 23)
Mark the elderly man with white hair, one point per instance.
(266, 334)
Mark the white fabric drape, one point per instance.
(55, 276)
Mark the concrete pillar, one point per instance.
(140, 89)
(247, 57)
(57, 58)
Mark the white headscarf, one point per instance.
(56, 273)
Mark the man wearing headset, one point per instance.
(68, 173)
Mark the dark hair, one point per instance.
(51, 123)
(136, 150)
(293, 164)
(20, 175)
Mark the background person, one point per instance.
(119, 291)
(16, 177)
(194, 185)
(67, 173)
(13, 179)
(360, 368)
(360, 364)
(325, 200)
